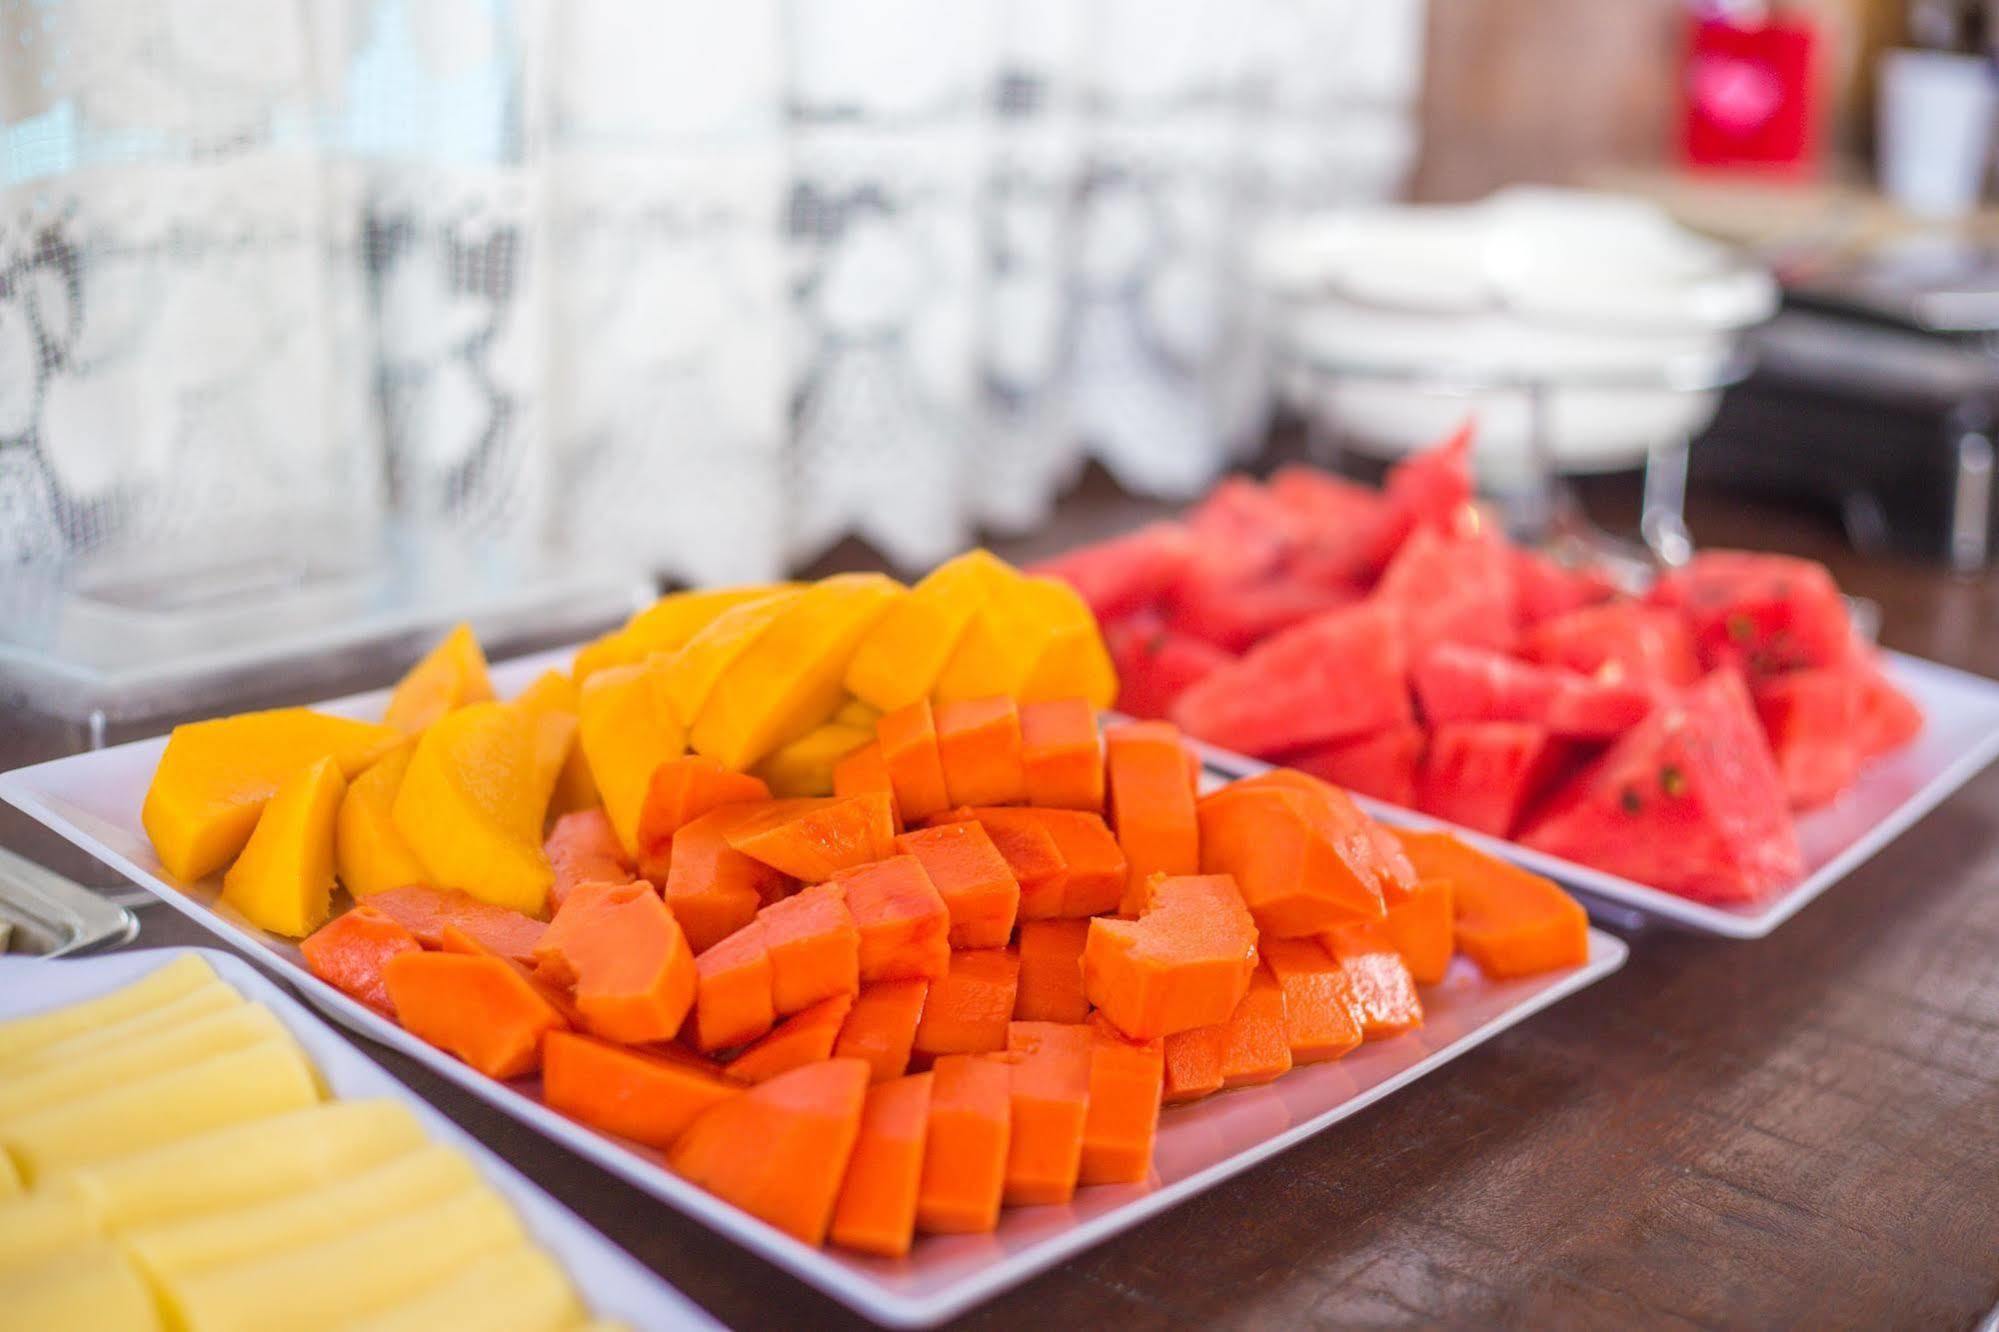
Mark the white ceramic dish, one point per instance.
(611, 1282)
(1960, 738)
(93, 799)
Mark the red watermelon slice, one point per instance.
(1239, 532)
(1621, 640)
(1155, 665)
(1886, 717)
(1484, 774)
(1335, 526)
(1340, 674)
(1458, 683)
(1544, 589)
(1452, 589)
(1127, 573)
(1764, 614)
(1688, 801)
(1233, 616)
(1810, 718)
(1382, 765)
(1431, 489)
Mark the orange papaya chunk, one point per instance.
(908, 740)
(633, 971)
(1421, 924)
(1259, 1039)
(779, 1151)
(865, 772)
(1511, 922)
(1048, 1070)
(902, 921)
(1051, 971)
(881, 1027)
(425, 912)
(645, 1097)
(732, 1003)
(349, 952)
(965, 1144)
(1318, 1002)
(814, 838)
(1149, 773)
(214, 778)
(680, 791)
(481, 1009)
(968, 1007)
(1127, 1080)
(978, 742)
(1030, 852)
(450, 675)
(815, 950)
(1384, 993)
(584, 848)
(1062, 755)
(806, 1037)
(1184, 963)
(1195, 1060)
(978, 888)
(1302, 869)
(876, 1210)
(714, 889)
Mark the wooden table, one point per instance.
(1801, 1131)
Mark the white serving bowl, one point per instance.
(1396, 322)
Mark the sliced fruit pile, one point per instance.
(1395, 643)
(836, 896)
(167, 1160)
(953, 985)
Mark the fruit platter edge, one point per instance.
(1959, 740)
(614, 1285)
(92, 800)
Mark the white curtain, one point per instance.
(697, 289)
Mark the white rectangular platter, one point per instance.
(93, 800)
(613, 1284)
(1960, 737)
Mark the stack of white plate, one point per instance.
(1398, 321)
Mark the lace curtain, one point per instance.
(693, 288)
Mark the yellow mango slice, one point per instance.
(902, 656)
(624, 735)
(283, 880)
(805, 766)
(551, 692)
(789, 679)
(509, 1290)
(369, 855)
(856, 713)
(37, 1226)
(245, 1163)
(215, 776)
(1074, 662)
(663, 627)
(51, 1085)
(690, 676)
(472, 802)
(333, 1282)
(399, 1184)
(268, 1078)
(90, 1289)
(1000, 646)
(211, 996)
(450, 675)
(183, 975)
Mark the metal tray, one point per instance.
(612, 1284)
(93, 799)
(45, 915)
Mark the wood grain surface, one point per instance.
(1801, 1131)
